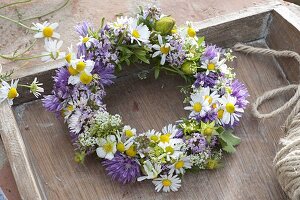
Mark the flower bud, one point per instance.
(165, 25)
(189, 68)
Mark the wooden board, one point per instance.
(44, 145)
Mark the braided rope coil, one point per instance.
(287, 160)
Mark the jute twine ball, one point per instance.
(287, 160)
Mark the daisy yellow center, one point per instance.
(135, 33)
(12, 93)
(191, 32)
(211, 66)
(166, 182)
(129, 133)
(230, 107)
(80, 66)
(70, 108)
(164, 49)
(220, 114)
(154, 138)
(68, 57)
(214, 105)
(108, 147)
(165, 138)
(197, 107)
(208, 131)
(131, 151)
(170, 149)
(48, 31)
(209, 99)
(85, 78)
(72, 71)
(85, 39)
(120, 147)
(179, 164)
(174, 31)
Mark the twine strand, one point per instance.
(287, 160)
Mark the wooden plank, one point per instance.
(17, 154)
(146, 104)
(243, 26)
(284, 34)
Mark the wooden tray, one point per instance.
(41, 154)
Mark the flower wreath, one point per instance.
(216, 100)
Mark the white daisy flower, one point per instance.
(124, 143)
(198, 105)
(167, 183)
(229, 111)
(121, 22)
(189, 34)
(211, 96)
(139, 33)
(172, 149)
(170, 129)
(45, 30)
(87, 41)
(128, 131)
(214, 65)
(9, 92)
(80, 71)
(71, 56)
(180, 165)
(52, 50)
(107, 147)
(162, 49)
(69, 110)
(153, 135)
(151, 171)
(35, 88)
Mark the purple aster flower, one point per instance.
(122, 168)
(210, 52)
(197, 143)
(52, 103)
(82, 29)
(214, 141)
(204, 80)
(106, 73)
(208, 117)
(240, 91)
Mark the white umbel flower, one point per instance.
(139, 33)
(162, 49)
(167, 183)
(107, 147)
(8, 92)
(45, 30)
(52, 50)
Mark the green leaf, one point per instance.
(200, 40)
(229, 138)
(229, 149)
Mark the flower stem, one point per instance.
(15, 21)
(48, 13)
(14, 3)
(20, 58)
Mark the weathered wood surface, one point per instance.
(17, 154)
(147, 104)
(284, 34)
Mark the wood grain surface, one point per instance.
(147, 104)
